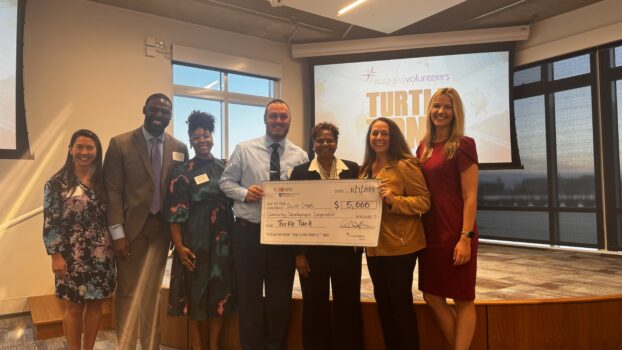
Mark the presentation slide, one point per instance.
(8, 40)
(351, 95)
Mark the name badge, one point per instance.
(201, 179)
(178, 156)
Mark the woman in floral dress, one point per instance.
(76, 237)
(200, 218)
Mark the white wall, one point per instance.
(590, 26)
(85, 67)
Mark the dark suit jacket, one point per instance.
(301, 172)
(128, 178)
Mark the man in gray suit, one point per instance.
(135, 171)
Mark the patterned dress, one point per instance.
(75, 226)
(195, 201)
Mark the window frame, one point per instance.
(225, 96)
(609, 75)
(547, 87)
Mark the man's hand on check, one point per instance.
(254, 194)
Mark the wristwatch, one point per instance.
(469, 234)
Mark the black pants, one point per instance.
(341, 267)
(263, 320)
(392, 277)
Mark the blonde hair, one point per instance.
(456, 131)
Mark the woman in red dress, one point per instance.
(448, 265)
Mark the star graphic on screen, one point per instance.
(370, 74)
(479, 101)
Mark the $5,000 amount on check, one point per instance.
(326, 212)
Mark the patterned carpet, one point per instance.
(16, 332)
(515, 273)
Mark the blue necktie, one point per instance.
(275, 163)
(156, 169)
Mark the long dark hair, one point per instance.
(398, 147)
(66, 171)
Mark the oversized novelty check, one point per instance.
(326, 212)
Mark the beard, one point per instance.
(279, 135)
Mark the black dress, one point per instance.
(341, 268)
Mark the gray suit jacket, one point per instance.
(128, 178)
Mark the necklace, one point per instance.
(331, 174)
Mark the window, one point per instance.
(183, 107)
(617, 238)
(523, 191)
(576, 186)
(245, 122)
(610, 61)
(568, 121)
(196, 77)
(527, 76)
(555, 198)
(618, 56)
(571, 67)
(237, 101)
(244, 84)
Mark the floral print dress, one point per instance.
(195, 201)
(75, 226)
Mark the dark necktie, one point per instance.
(275, 163)
(156, 169)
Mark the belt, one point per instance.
(245, 222)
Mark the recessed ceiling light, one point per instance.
(349, 7)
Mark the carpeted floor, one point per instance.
(514, 273)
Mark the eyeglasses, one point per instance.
(376, 133)
(197, 137)
(163, 111)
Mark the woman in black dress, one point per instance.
(320, 266)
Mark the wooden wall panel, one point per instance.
(174, 329)
(229, 335)
(580, 325)
(431, 336)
